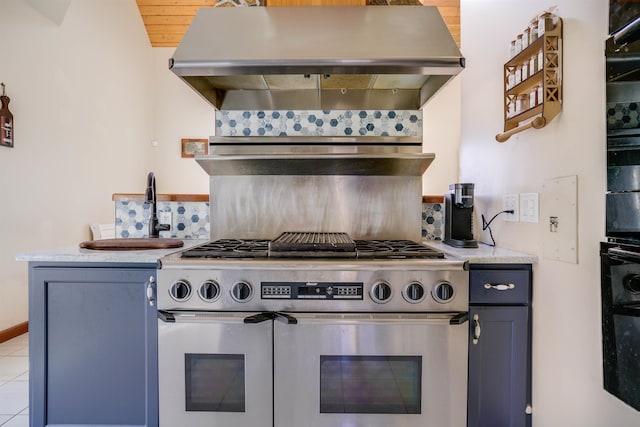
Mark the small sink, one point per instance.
(132, 244)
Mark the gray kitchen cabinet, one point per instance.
(93, 345)
(499, 393)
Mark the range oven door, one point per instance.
(621, 321)
(371, 369)
(214, 370)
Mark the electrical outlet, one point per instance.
(164, 217)
(510, 202)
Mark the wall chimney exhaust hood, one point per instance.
(317, 58)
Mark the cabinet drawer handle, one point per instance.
(150, 293)
(476, 328)
(500, 286)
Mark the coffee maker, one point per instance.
(458, 207)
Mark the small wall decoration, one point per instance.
(194, 147)
(6, 121)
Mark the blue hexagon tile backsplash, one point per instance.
(319, 123)
(189, 220)
(432, 221)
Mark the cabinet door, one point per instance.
(499, 367)
(93, 346)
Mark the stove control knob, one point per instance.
(414, 292)
(209, 291)
(443, 292)
(241, 291)
(381, 292)
(180, 290)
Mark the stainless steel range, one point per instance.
(312, 329)
(348, 321)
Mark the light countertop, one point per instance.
(484, 254)
(77, 254)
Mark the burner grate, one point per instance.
(312, 245)
(371, 249)
(230, 248)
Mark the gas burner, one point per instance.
(313, 245)
(371, 249)
(230, 248)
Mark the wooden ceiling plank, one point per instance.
(169, 10)
(168, 29)
(454, 3)
(449, 11)
(166, 20)
(207, 3)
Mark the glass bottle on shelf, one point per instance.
(518, 78)
(511, 79)
(539, 96)
(518, 44)
(524, 70)
(511, 108)
(533, 31)
(533, 65)
(526, 40)
(540, 60)
(522, 103)
(533, 97)
(512, 49)
(545, 22)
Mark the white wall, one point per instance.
(79, 95)
(567, 361)
(89, 95)
(178, 112)
(441, 135)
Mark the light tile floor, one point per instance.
(14, 382)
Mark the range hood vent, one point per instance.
(356, 156)
(317, 58)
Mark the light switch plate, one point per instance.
(529, 207)
(559, 213)
(510, 202)
(164, 217)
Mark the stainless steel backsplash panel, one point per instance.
(365, 207)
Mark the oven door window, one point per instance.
(370, 384)
(215, 382)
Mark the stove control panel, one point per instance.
(312, 290)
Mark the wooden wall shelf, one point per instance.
(544, 83)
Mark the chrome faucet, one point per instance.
(150, 195)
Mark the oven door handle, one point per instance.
(260, 317)
(453, 318)
(286, 318)
(459, 318)
(624, 256)
(271, 315)
(166, 317)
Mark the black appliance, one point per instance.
(623, 186)
(458, 226)
(621, 320)
(620, 255)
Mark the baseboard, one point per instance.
(14, 331)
